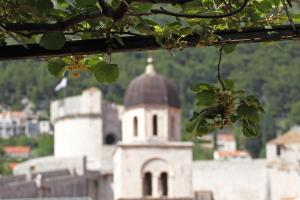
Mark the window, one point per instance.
(135, 126)
(278, 150)
(172, 127)
(147, 184)
(154, 125)
(164, 184)
(110, 139)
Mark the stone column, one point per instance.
(155, 186)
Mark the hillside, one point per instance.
(268, 71)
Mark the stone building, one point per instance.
(149, 151)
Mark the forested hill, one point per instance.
(272, 72)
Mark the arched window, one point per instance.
(110, 139)
(164, 184)
(135, 126)
(172, 134)
(154, 125)
(147, 184)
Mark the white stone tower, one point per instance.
(151, 161)
(78, 125)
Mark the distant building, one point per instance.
(227, 150)
(45, 127)
(283, 161)
(12, 124)
(285, 147)
(226, 142)
(22, 152)
(21, 123)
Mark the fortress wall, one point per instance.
(78, 137)
(49, 163)
(285, 183)
(232, 180)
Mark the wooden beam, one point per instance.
(143, 43)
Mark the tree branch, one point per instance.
(162, 11)
(219, 73)
(58, 26)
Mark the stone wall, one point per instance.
(285, 182)
(231, 180)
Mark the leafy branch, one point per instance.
(218, 108)
(229, 14)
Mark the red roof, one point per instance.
(233, 154)
(225, 137)
(17, 149)
(13, 114)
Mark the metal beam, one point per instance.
(143, 43)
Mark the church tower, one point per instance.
(151, 162)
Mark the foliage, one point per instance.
(294, 115)
(199, 152)
(41, 145)
(220, 108)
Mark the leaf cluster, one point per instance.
(221, 108)
(104, 72)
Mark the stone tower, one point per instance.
(151, 161)
(84, 125)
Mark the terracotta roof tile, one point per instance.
(233, 153)
(17, 149)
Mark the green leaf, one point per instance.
(249, 112)
(57, 67)
(104, 72)
(158, 29)
(229, 84)
(205, 98)
(43, 4)
(229, 48)
(185, 31)
(86, 3)
(250, 129)
(141, 7)
(201, 86)
(53, 40)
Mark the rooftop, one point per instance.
(226, 137)
(224, 154)
(16, 149)
(290, 137)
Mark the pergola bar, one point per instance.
(143, 43)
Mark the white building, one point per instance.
(226, 142)
(226, 148)
(146, 161)
(12, 124)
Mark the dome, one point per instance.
(151, 88)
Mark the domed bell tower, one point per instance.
(152, 109)
(151, 162)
